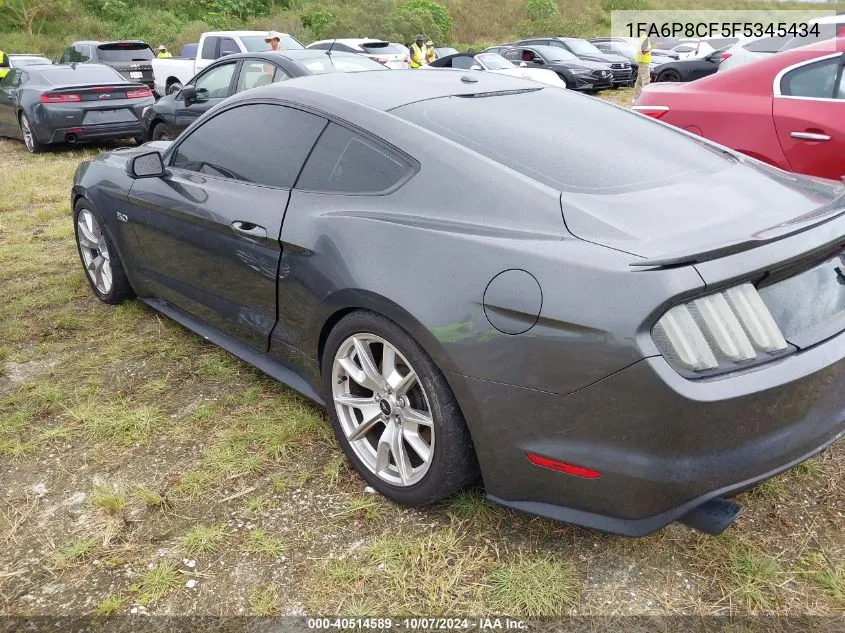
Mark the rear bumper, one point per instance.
(99, 132)
(663, 443)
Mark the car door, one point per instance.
(698, 68)
(209, 53)
(209, 228)
(8, 103)
(212, 86)
(809, 115)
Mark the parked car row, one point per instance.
(787, 109)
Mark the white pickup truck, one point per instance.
(173, 72)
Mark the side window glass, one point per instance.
(66, 57)
(840, 91)
(512, 55)
(258, 143)
(463, 62)
(85, 53)
(255, 74)
(344, 162)
(228, 46)
(280, 75)
(209, 48)
(812, 81)
(215, 83)
(12, 79)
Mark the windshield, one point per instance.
(547, 147)
(582, 47)
(494, 61)
(125, 52)
(256, 43)
(555, 54)
(17, 62)
(340, 64)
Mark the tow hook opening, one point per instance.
(712, 517)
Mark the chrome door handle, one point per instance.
(248, 229)
(810, 136)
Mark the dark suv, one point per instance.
(131, 58)
(624, 71)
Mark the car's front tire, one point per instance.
(174, 88)
(99, 257)
(393, 412)
(669, 76)
(161, 132)
(29, 138)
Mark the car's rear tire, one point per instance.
(100, 260)
(161, 132)
(393, 413)
(30, 140)
(669, 75)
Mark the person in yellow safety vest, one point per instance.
(5, 64)
(430, 53)
(419, 53)
(644, 61)
(163, 52)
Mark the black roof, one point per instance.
(388, 90)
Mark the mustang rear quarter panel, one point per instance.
(432, 247)
(659, 440)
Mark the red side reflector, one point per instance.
(139, 93)
(381, 60)
(562, 467)
(51, 97)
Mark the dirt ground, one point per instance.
(145, 471)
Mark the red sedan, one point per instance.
(787, 110)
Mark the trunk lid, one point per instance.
(705, 216)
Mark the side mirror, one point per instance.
(146, 165)
(538, 61)
(189, 94)
(523, 65)
(475, 67)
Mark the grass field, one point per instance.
(144, 470)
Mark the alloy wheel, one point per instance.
(95, 252)
(383, 409)
(27, 134)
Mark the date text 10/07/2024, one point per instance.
(417, 624)
(704, 30)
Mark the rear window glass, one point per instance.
(124, 52)
(344, 162)
(567, 141)
(767, 44)
(380, 48)
(82, 74)
(256, 43)
(340, 63)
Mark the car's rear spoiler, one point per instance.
(829, 211)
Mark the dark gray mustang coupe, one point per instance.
(473, 292)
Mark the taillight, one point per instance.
(562, 467)
(655, 112)
(726, 55)
(139, 93)
(720, 331)
(53, 97)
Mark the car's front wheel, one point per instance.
(102, 264)
(393, 412)
(29, 138)
(174, 88)
(161, 132)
